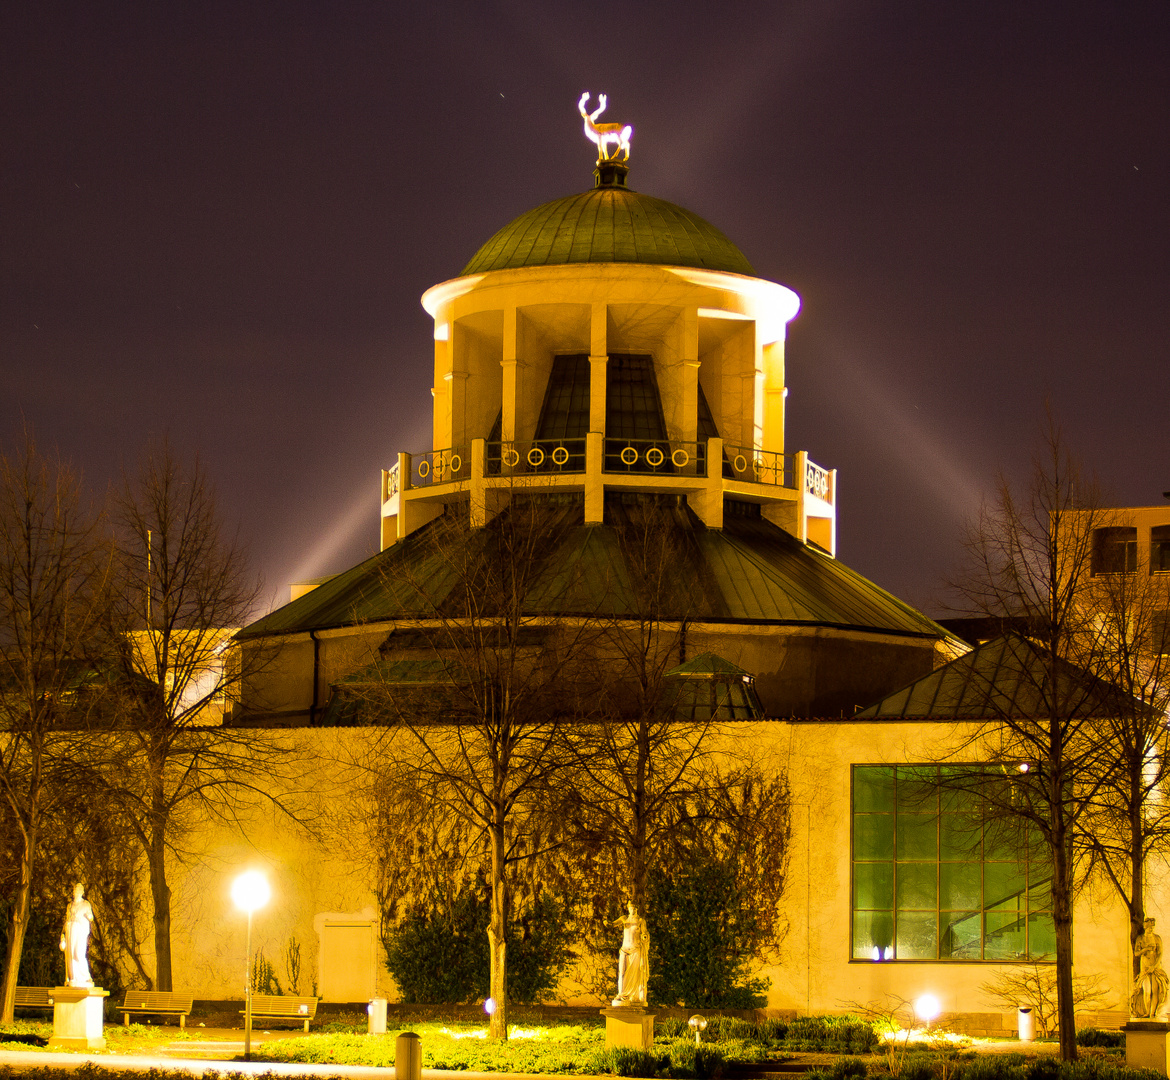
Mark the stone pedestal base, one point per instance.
(628, 1025)
(77, 1017)
(1145, 1044)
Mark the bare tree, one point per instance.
(1031, 561)
(503, 675)
(635, 762)
(181, 589)
(52, 573)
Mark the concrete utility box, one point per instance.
(376, 1010)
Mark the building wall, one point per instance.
(816, 972)
(324, 880)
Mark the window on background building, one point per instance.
(1160, 549)
(935, 878)
(1160, 632)
(1114, 550)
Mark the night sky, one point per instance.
(216, 222)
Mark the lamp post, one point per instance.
(250, 892)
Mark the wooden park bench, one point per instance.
(33, 997)
(283, 1007)
(146, 1001)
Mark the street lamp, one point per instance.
(250, 892)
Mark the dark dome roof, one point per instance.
(609, 224)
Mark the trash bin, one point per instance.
(408, 1057)
(1026, 1024)
(376, 1010)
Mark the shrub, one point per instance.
(1100, 1037)
(844, 1068)
(672, 1027)
(439, 954)
(626, 1061)
(704, 932)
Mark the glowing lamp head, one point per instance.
(250, 891)
(489, 1006)
(927, 1007)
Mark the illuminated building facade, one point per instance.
(609, 348)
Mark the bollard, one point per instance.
(376, 1011)
(408, 1057)
(1026, 1024)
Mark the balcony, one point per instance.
(793, 491)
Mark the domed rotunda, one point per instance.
(611, 349)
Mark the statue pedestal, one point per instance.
(628, 1025)
(1146, 1043)
(77, 1017)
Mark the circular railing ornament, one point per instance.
(510, 457)
(456, 463)
(536, 457)
(560, 456)
(680, 458)
(629, 455)
(424, 469)
(654, 457)
(740, 463)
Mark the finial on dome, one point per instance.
(613, 144)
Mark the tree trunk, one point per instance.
(161, 895)
(498, 935)
(638, 844)
(17, 928)
(1137, 900)
(1062, 917)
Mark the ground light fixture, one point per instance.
(697, 1024)
(250, 892)
(927, 1008)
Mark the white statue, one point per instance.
(1152, 986)
(75, 939)
(634, 959)
(605, 135)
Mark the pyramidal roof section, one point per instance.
(1008, 677)
(748, 572)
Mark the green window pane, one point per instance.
(917, 885)
(1003, 936)
(1003, 841)
(873, 836)
(1003, 885)
(1040, 896)
(960, 935)
(960, 838)
(917, 837)
(960, 886)
(959, 791)
(873, 935)
(917, 789)
(917, 935)
(1041, 937)
(873, 885)
(873, 789)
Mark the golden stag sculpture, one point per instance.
(611, 139)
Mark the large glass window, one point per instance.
(935, 877)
